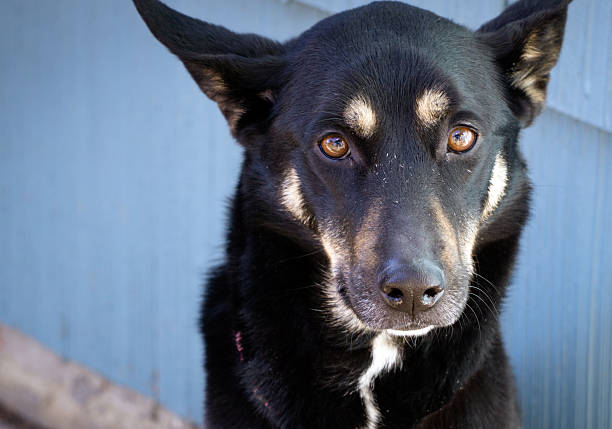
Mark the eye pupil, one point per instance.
(336, 143)
(334, 146)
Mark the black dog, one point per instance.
(377, 217)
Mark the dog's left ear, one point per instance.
(526, 40)
(240, 72)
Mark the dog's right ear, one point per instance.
(240, 72)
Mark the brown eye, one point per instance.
(461, 139)
(334, 146)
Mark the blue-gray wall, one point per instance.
(115, 170)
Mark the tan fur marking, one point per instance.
(366, 237)
(526, 80)
(360, 116)
(343, 316)
(430, 106)
(330, 249)
(456, 245)
(291, 196)
(447, 233)
(530, 74)
(468, 240)
(497, 186)
(531, 51)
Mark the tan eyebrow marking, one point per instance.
(360, 116)
(430, 106)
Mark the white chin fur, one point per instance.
(411, 332)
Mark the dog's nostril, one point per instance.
(431, 295)
(394, 295)
(412, 287)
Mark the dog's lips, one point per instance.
(410, 332)
(396, 323)
(404, 327)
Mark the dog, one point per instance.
(377, 216)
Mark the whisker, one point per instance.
(486, 280)
(494, 313)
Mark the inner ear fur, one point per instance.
(240, 72)
(526, 41)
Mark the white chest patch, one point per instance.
(385, 354)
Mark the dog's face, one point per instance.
(384, 135)
(393, 156)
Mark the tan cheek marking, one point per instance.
(334, 243)
(457, 254)
(330, 250)
(454, 247)
(430, 106)
(468, 239)
(447, 233)
(291, 196)
(334, 246)
(360, 116)
(497, 186)
(367, 236)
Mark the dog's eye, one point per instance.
(461, 139)
(334, 146)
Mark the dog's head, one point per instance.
(386, 135)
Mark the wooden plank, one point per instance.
(52, 392)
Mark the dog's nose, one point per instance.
(412, 287)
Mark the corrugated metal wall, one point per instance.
(114, 172)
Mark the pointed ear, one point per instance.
(240, 72)
(526, 40)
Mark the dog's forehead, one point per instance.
(386, 60)
(371, 95)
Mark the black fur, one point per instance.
(278, 354)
